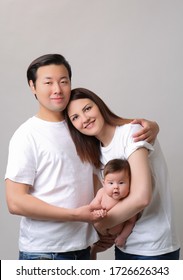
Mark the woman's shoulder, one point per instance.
(127, 128)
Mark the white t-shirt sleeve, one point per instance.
(21, 162)
(130, 145)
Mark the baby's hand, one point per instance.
(87, 214)
(100, 213)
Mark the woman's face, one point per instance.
(86, 117)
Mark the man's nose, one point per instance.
(57, 88)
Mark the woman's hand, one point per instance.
(148, 132)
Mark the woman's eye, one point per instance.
(88, 108)
(74, 118)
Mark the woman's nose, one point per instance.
(85, 118)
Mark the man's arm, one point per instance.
(20, 202)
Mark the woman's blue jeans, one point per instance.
(119, 255)
(73, 255)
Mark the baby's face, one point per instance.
(117, 185)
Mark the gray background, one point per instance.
(127, 51)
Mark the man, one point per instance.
(46, 183)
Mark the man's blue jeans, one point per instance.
(73, 255)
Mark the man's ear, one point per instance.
(31, 84)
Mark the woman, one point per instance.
(99, 136)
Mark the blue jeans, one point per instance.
(119, 255)
(73, 255)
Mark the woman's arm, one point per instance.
(20, 202)
(140, 193)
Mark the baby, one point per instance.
(116, 186)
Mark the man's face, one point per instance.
(52, 90)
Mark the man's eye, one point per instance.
(64, 82)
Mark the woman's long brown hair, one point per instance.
(88, 147)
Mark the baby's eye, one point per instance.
(121, 183)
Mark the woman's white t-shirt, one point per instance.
(155, 231)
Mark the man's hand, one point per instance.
(88, 214)
(148, 132)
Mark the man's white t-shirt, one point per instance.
(42, 154)
(155, 231)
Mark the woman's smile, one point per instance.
(90, 124)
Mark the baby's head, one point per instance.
(117, 178)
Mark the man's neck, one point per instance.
(50, 117)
